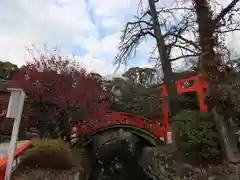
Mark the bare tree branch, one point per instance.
(186, 49)
(226, 10)
(175, 29)
(194, 44)
(184, 56)
(227, 31)
(134, 32)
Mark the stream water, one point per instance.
(118, 164)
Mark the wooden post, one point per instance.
(165, 112)
(200, 94)
(14, 111)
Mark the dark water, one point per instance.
(119, 164)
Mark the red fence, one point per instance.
(18, 153)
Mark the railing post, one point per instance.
(165, 112)
(18, 152)
(15, 108)
(78, 127)
(200, 94)
(165, 118)
(2, 173)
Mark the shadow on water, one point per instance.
(118, 164)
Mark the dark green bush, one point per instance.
(49, 154)
(196, 135)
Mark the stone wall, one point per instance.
(43, 174)
(160, 164)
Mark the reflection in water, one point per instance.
(118, 164)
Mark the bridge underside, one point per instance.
(118, 132)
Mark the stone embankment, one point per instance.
(160, 164)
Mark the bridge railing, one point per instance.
(84, 127)
(18, 153)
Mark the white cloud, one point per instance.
(69, 23)
(40, 21)
(111, 23)
(113, 8)
(110, 44)
(63, 22)
(92, 63)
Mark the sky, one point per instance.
(89, 29)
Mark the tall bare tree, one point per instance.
(174, 29)
(167, 37)
(210, 63)
(163, 53)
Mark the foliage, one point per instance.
(6, 70)
(228, 101)
(144, 76)
(183, 74)
(137, 96)
(134, 98)
(148, 106)
(49, 154)
(58, 87)
(196, 135)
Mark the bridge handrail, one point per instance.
(84, 127)
(18, 153)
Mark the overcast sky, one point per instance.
(88, 28)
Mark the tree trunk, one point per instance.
(166, 64)
(209, 64)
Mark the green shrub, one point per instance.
(196, 135)
(49, 154)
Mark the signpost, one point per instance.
(14, 111)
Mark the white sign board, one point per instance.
(13, 104)
(15, 108)
(170, 139)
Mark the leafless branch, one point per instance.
(135, 32)
(132, 35)
(184, 57)
(192, 43)
(186, 49)
(227, 31)
(226, 10)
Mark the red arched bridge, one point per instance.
(150, 130)
(138, 125)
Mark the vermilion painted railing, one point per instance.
(18, 153)
(115, 118)
(195, 84)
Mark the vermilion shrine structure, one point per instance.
(135, 123)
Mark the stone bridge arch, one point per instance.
(142, 134)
